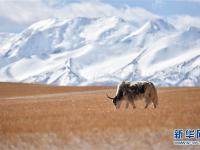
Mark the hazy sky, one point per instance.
(161, 7)
(15, 15)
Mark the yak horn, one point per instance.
(109, 97)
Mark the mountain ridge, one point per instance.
(101, 51)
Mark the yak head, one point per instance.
(119, 95)
(116, 101)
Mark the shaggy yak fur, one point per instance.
(131, 91)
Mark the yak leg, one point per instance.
(147, 101)
(154, 104)
(155, 100)
(131, 100)
(133, 104)
(118, 104)
(127, 104)
(147, 104)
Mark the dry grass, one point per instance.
(12, 89)
(87, 120)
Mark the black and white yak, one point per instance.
(131, 91)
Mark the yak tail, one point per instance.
(155, 99)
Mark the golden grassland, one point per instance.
(50, 117)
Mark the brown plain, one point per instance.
(28, 112)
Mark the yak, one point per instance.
(131, 91)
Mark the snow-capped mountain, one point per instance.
(101, 51)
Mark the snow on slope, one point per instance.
(5, 37)
(101, 51)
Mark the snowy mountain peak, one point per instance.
(85, 51)
(158, 25)
(56, 35)
(193, 31)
